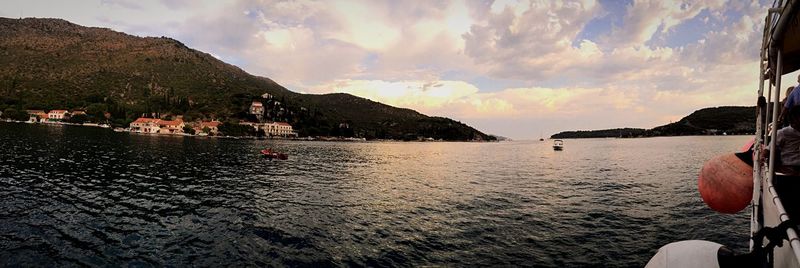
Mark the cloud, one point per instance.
(525, 41)
(177, 4)
(303, 43)
(735, 43)
(646, 97)
(645, 18)
(457, 97)
(128, 4)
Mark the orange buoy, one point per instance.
(726, 183)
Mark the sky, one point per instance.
(517, 68)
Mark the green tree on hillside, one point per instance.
(14, 114)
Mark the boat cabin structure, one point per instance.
(558, 145)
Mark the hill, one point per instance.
(731, 120)
(605, 133)
(55, 64)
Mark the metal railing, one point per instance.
(774, 27)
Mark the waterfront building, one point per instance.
(57, 115)
(153, 125)
(281, 129)
(36, 116)
(171, 126)
(213, 127)
(145, 125)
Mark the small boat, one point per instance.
(269, 154)
(541, 139)
(558, 145)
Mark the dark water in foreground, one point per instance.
(75, 196)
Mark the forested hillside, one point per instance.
(731, 120)
(54, 64)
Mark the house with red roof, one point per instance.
(37, 116)
(257, 108)
(145, 125)
(154, 125)
(171, 126)
(213, 127)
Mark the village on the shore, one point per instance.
(170, 124)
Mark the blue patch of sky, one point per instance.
(690, 31)
(694, 29)
(486, 84)
(732, 15)
(370, 61)
(611, 16)
(252, 14)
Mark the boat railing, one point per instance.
(776, 30)
(791, 233)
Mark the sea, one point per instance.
(84, 196)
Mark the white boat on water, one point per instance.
(728, 183)
(558, 145)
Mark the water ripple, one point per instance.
(90, 197)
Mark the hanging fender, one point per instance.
(726, 183)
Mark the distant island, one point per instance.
(726, 120)
(114, 78)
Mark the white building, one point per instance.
(153, 125)
(57, 114)
(282, 129)
(36, 116)
(145, 125)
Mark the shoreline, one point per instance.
(647, 137)
(323, 139)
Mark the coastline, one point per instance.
(120, 130)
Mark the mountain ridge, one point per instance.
(720, 120)
(56, 64)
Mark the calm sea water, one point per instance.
(75, 196)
